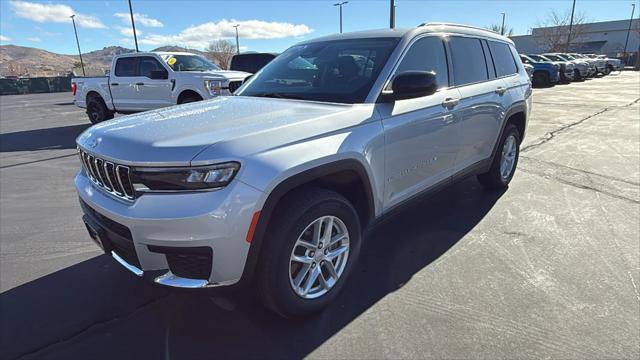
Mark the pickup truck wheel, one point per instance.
(98, 111)
(541, 78)
(504, 162)
(311, 247)
(190, 99)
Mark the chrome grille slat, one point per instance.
(109, 176)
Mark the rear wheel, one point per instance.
(313, 243)
(505, 160)
(97, 110)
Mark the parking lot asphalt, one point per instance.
(549, 268)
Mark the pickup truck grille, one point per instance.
(234, 85)
(111, 177)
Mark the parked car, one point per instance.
(151, 80)
(581, 70)
(599, 64)
(545, 73)
(610, 63)
(251, 62)
(566, 68)
(275, 185)
(529, 69)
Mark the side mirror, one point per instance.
(159, 75)
(413, 84)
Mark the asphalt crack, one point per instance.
(550, 135)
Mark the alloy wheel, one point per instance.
(508, 160)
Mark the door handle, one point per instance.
(114, 84)
(450, 102)
(500, 90)
(139, 84)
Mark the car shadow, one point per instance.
(56, 138)
(96, 309)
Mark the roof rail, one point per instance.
(457, 25)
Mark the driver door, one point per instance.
(420, 132)
(153, 93)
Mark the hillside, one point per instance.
(17, 60)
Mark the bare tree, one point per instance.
(553, 35)
(221, 52)
(498, 29)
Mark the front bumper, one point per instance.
(144, 235)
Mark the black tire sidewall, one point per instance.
(284, 300)
(100, 107)
(510, 130)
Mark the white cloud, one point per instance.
(140, 19)
(199, 36)
(127, 31)
(54, 13)
(4, 38)
(34, 39)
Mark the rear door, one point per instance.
(420, 132)
(152, 93)
(481, 104)
(124, 91)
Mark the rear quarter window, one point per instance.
(503, 59)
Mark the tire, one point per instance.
(576, 75)
(541, 78)
(97, 110)
(296, 216)
(608, 70)
(190, 99)
(497, 177)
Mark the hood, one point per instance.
(220, 74)
(174, 136)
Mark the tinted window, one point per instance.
(146, 64)
(126, 66)
(469, 65)
(427, 54)
(341, 71)
(502, 58)
(250, 62)
(487, 57)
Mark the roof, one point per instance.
(159, 53)
(432, 27)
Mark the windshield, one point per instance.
(189, 63)
(538, 58)
(341, 71)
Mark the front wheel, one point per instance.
(311, 247)
(541, 78)
(607, 70)
(504, 161)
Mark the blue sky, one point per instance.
(265, 25)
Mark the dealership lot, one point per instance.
(549, 268)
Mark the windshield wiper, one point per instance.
(278, 95)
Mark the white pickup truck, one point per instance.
(151, 80)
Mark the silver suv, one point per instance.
(275, 185)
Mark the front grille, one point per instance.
(111, 177)
(234, 85)
(187, 262)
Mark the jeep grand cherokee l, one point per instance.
(275, 185)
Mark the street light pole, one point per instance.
(340, 5)
(237, 39)
(133, 24)
(392, 14)
(78, 42)
(573, 9)
(502, 27)
(624, 52)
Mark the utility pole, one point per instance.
(573, 9)
(133, 24)
(77, 42)
(624, 52)
(392, 14)
(340, 5)
(502, 27)
(237, 39)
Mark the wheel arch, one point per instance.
(347, 177)
(184, 93)
(517, 115)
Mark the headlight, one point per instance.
(214, 87)
(184, 179)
